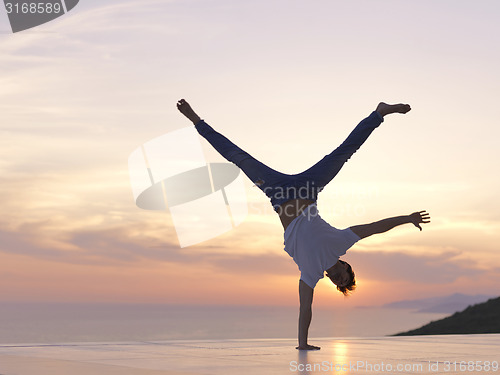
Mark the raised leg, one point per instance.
(268, 180)
(320, 174)
(254, 169)
(258, 172)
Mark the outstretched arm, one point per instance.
(384, 225)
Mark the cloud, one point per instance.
(128, 245)
(118, 244)
(21, 243)
(153, 240)
(441, 268)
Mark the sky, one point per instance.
(286, 81)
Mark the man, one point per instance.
(314, 244)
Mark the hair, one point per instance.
(351, 285)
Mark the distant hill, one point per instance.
(480, 318)
(442, 304)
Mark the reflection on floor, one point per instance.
(450, 354)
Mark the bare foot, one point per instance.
(187, 111)
(387, 109)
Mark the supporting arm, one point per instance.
(305, 315)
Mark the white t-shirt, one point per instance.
(315, 245)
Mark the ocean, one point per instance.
(64, 323)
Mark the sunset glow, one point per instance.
(286, 81)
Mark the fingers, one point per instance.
(420, 217)
(425, 217)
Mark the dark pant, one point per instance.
(280, 187)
